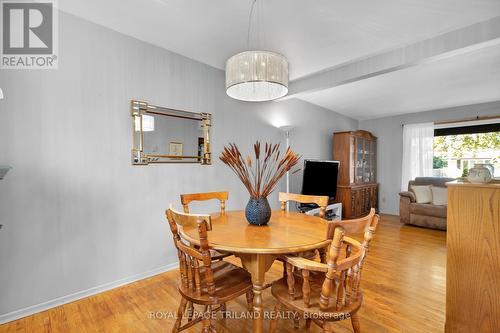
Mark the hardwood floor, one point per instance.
(403, 284)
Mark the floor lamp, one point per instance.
(287, 131)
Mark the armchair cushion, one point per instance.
(428, 210)
(422, 193)
(439, 195)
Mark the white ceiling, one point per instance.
(461, 80)
(314, 35)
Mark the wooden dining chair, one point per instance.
(321, 201)
(187, 198)
(203, 281)
(325, 293)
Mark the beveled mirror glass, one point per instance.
(163, 135)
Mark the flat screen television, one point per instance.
(320, 178)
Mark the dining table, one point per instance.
(259, 246)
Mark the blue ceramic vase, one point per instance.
(258, 211)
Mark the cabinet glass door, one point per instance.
(360, 161)
(352, 159)
(369, 162)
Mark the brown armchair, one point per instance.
(422, 214)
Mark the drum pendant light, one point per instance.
(256, 76)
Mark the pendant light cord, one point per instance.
(250, 23)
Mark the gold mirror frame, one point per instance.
(139, 157)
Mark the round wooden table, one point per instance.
(258, 246)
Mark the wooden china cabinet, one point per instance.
(357, 187)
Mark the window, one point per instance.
(457, 149)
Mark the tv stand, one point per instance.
(333, 211)
(303, 207)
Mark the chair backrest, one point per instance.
(190, 257)
(353, 226)
(321, 201)
(347, 271)
(187, 198)
(340, 288)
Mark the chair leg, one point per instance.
(223, 310)
(355, 323)
(296, 322)
(206, 319)
(308, 323)
(180, 313)
(274, 319)
(284, 270)
(213, 314)
(250, 300)
(190, 311)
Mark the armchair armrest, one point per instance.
(408, 194)
(405, 199)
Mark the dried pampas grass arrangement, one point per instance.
(260, 175)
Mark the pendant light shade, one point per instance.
(257, 76)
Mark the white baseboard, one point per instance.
(5, 318)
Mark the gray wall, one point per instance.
(390, 147)
(76, 214)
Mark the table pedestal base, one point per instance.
(257, 265)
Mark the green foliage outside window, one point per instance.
(460, 144)
(439, 163)
(465, 171)
(466, 150)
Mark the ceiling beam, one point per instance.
(446, 45)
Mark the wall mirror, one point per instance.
(163, 135)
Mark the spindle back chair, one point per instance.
(329, 292)
(203, 281)
(321, 201)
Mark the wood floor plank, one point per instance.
(405, 293)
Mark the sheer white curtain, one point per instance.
(417, 152)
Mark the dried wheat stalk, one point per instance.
(260, 176)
